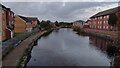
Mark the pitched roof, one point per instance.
(32, 18)
(2, 6)
(28, 19)
(24, 18)
(87, 21)
(5, 8)
(107, 12)
(79, 21)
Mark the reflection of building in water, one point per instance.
(103, 45)
(98, 42)
(117, 62)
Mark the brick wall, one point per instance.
(100, 22)
(34, 23)
(4, 25)
(20, 24)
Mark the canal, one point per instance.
(64, 47)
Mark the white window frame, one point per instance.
(101, 18)
(103, 27)
(107, 27)
(9, 13)
(106, 21)
(107, 16)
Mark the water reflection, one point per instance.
(65, 48)
(104, 46)
(100, 43)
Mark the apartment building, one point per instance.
(100, 20)
(7, 23)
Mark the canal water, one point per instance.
(64, 47)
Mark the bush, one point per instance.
(78, 29)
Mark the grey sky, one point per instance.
(60, 11)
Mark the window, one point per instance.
(106, 21)
(101, 17)
(12, 22)
(9, 23)
(100, 22)
(103, 27)
(107, 16)
(95, 19)
(12, 15)
(106, 27)
(9, 13)
(104, 17)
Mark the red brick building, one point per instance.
(100, 20)
(7, 23)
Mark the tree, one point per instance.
(57, 24)
(45, 24)
(112, 19)
(48, 21)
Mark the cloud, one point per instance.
(61, 11)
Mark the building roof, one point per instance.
(2, 6)
(107, 12)
(24, 18)
(5, 8)
(87, 21)
(79, 21)
(32, 18)
(28, 19)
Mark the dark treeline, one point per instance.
(45, 25)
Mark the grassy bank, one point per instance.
(18, 35)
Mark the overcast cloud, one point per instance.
(60, 11)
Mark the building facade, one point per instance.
(100, 20)
(79, 24)
(25, 24)
(34, 21)
(7, 23)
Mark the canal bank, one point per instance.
(15, 57)
(113, 48)
(26, 56)
(102, 33)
